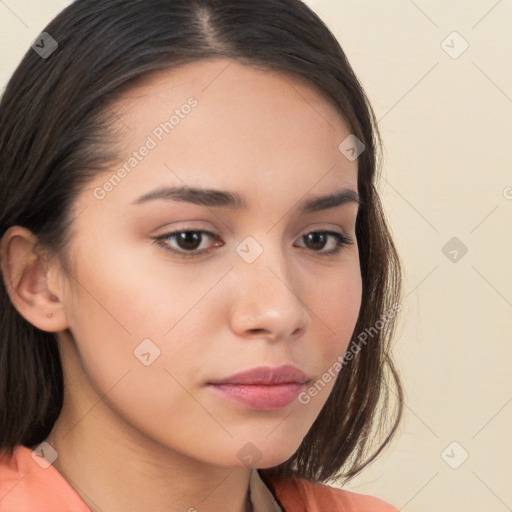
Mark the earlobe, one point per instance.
(25, 276)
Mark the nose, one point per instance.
(266, 300)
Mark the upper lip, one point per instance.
(266, 375)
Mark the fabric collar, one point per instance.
(261, 497)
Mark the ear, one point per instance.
(25, 275)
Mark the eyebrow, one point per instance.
(226, 199)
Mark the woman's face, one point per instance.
(153, 323)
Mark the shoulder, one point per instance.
(300, 495)
(29, 483)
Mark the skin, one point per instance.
(133, 437)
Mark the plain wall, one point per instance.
(446, 121)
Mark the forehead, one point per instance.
(216, 123)
(225, 80)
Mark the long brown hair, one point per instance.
(54, 137)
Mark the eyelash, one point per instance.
(343, 240)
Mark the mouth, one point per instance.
(262, 388)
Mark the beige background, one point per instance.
(446, 121)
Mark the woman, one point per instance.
(199, 286)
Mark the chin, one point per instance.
(265, 453)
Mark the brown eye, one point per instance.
(317, 240)
(189, 240)
(185, 242)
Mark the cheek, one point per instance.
(338, 306)
(108, 316)
(127, 313)
(109, 327)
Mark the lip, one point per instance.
(262, 388)
(266, 375)
(259, 397)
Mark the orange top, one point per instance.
(300, 495)
(26, 486)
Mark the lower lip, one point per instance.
(260, 397)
